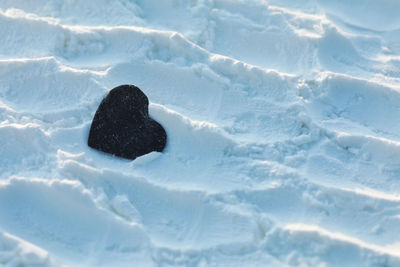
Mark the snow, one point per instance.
(283, 133)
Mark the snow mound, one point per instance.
(17, 252)
(283, 133)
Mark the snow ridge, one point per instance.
(282, 121)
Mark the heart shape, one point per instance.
(122, 125)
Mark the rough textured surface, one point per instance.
(122, 125)
(283, 123)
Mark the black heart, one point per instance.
(122, 125)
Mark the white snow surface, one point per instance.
(283, 123)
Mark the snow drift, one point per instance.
(282, 119)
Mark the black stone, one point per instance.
(122, 126)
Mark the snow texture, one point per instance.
(283, 124)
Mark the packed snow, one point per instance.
(283, 123)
